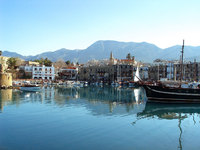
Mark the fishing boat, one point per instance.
(30, 88)
(159, 92)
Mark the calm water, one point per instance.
(94, 118)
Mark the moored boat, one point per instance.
(159, 92)
(30, 88)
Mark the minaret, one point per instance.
(111, 59)
(111, 56)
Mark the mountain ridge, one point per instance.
(143, 51)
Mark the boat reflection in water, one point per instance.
(99, 100)
(177, 112)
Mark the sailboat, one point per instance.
(162, 93)
(137, 75)
(135, 82)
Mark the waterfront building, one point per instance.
(143, 71)
(157, 71)
(96, 73)
(68, 73)
(190, 71)
(43, 72)
(26, 69)
(112, 70)
(172, 69)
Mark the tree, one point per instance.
(68, 62)
(11, 62)
(59, 64)
(128, 56)
(45, 61)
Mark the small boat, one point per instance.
(78, 84)
(115, 84)
(30, 88)
(85, 83)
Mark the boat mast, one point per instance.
(182, 51)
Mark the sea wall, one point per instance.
(5, 80)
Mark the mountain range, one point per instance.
(145, 52)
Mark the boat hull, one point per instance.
(172, 95)
(30, 89)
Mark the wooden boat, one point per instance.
(30, 88)
(162, 93)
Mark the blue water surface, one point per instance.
(94, 118)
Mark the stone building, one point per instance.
(96, 73)
(112, 70)
(172, 71)
(5, 78)
(68, 73)
(3, 63)
(157, 72)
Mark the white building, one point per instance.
(43, 72)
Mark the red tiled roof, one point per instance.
(69, 68)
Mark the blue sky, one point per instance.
(30, 27)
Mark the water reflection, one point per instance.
(112, 110)
(99, 100)
(177, 112)
(5, 96)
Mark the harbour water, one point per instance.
(94, 118)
